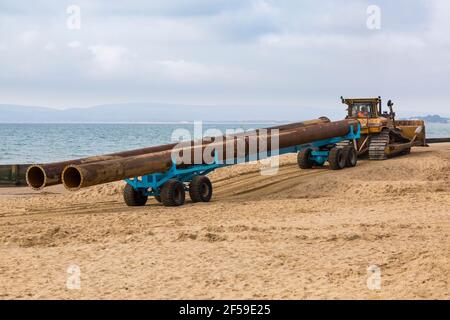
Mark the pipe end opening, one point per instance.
(35, 177)
(72, 178)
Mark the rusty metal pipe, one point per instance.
(43, 175)
(75, 177)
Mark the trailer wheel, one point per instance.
(336, 159)
(351, 156)
(200, 189)
(303, 159)
(134, 198)
(172, 193)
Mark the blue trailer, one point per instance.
(170, 187)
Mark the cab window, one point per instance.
(361, 110)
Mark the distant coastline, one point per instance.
(247, 122)
(173, 114)
(158, 113)
(432, 119)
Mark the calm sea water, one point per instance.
(36, 143)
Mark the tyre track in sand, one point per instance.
(254, 185)
(246, 186)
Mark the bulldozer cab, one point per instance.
(363, 108)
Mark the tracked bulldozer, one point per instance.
(382, 136)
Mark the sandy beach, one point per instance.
(300, 234)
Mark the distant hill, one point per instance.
(433, 119)
(150, 112)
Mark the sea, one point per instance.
(40, 143)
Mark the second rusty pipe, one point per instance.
(43, 175)
(80, 176)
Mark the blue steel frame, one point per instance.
(151, 184)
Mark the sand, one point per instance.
(301, 234)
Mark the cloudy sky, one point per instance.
(301, 53)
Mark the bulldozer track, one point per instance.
(377, 146)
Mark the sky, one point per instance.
(301, 53)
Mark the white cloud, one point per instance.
(198, 74)
(440, 24)
(181, 70)
(74, 44)
(28, 37)
(263, 7)
(109, 58)
(50, 46)
(293, 52)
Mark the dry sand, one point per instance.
(296, 235)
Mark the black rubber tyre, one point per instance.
(351, 156)
(200, 189)
(336, 159)
(134, 198)
(158, 198)
(172, 193)
(303, 159)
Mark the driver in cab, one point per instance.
(363, 112)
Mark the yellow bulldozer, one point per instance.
(383, 136)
